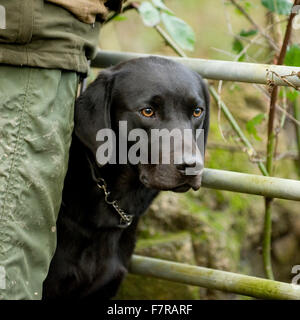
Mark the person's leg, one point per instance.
(36, 123)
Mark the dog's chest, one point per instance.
(100, 260)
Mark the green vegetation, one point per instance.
(221, 229)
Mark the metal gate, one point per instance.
(224, 180)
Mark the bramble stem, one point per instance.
(296, 107)
(271, 143)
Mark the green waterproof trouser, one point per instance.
(36, 123)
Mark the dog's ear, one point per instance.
(92, 110)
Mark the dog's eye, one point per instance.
(197, 112)
(147, 112)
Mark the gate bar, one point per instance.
(252, 184)
(214, 279)
(213, 69)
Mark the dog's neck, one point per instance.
(120, 179)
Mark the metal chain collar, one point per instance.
(126, 219)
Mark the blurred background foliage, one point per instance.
(214, 228)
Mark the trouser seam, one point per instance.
(15, 153)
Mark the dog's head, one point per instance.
(149, 98)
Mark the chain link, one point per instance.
(126, 219)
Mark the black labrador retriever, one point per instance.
(96, 235)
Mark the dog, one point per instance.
(102, 204)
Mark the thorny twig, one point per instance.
(281, 109)
(255, 25)
(271, 82)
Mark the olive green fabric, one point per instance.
(42, 34)
(36, 123)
